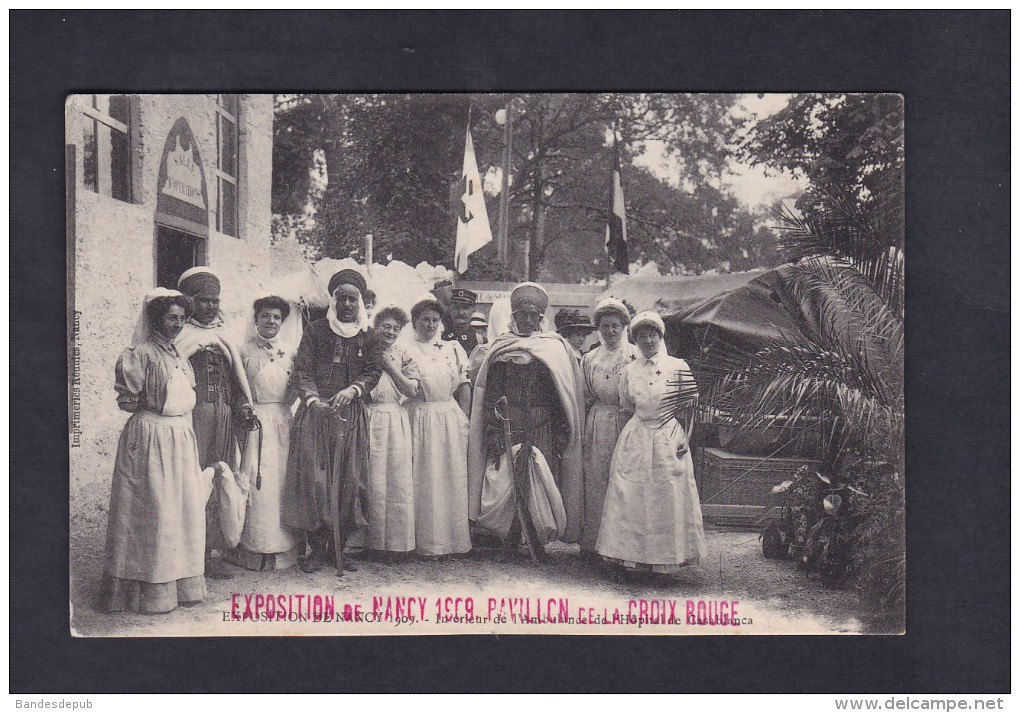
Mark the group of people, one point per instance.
(413, 433)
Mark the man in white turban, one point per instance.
(534, 370)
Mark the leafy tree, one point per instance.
(561, 173)
(392, 165)
(689, 232)
(381, 177)
(848, 146)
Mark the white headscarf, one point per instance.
(347, 329)
(432, 300)
(143, 328)
(499, 318)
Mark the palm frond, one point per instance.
(855, 320)
(799, 387)
(846, 371)
(838, 229)
(681, 400)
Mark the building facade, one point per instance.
(156, 184)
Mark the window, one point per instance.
(106, 146)
(227, 111)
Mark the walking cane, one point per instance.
(500, 408)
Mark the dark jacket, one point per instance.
(327, 363)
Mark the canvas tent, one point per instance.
(747, 309)
(670, 294)
(751, 315)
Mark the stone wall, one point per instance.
(113, 245)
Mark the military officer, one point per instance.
(462, 304)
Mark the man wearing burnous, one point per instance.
(223, 399)
(336, 367)
(530, 377)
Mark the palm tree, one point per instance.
(844, 370)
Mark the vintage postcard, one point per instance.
(600, 364)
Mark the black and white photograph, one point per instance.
(510, 351)
(486, 363)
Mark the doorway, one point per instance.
(176, 251)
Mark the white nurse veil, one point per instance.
(142, 326)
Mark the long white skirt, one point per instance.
(439, 433)
(155, 541)
(652, 516)
(602, 429)
(390, 483)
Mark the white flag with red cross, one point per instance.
(473, 231)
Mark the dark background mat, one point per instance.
(952, 68)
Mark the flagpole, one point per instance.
(502, 243)
(468, 131)
(610, 261)
(368, 255)
(617, 259)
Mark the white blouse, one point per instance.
(442, 367)
(645, 381)
(268, 365)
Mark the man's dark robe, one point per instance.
(219, 393)
(536, 414)
(328, 457)
(216, 397)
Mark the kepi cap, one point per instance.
(464, 296)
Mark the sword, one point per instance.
(501, 409)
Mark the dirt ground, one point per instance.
(417, 596)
